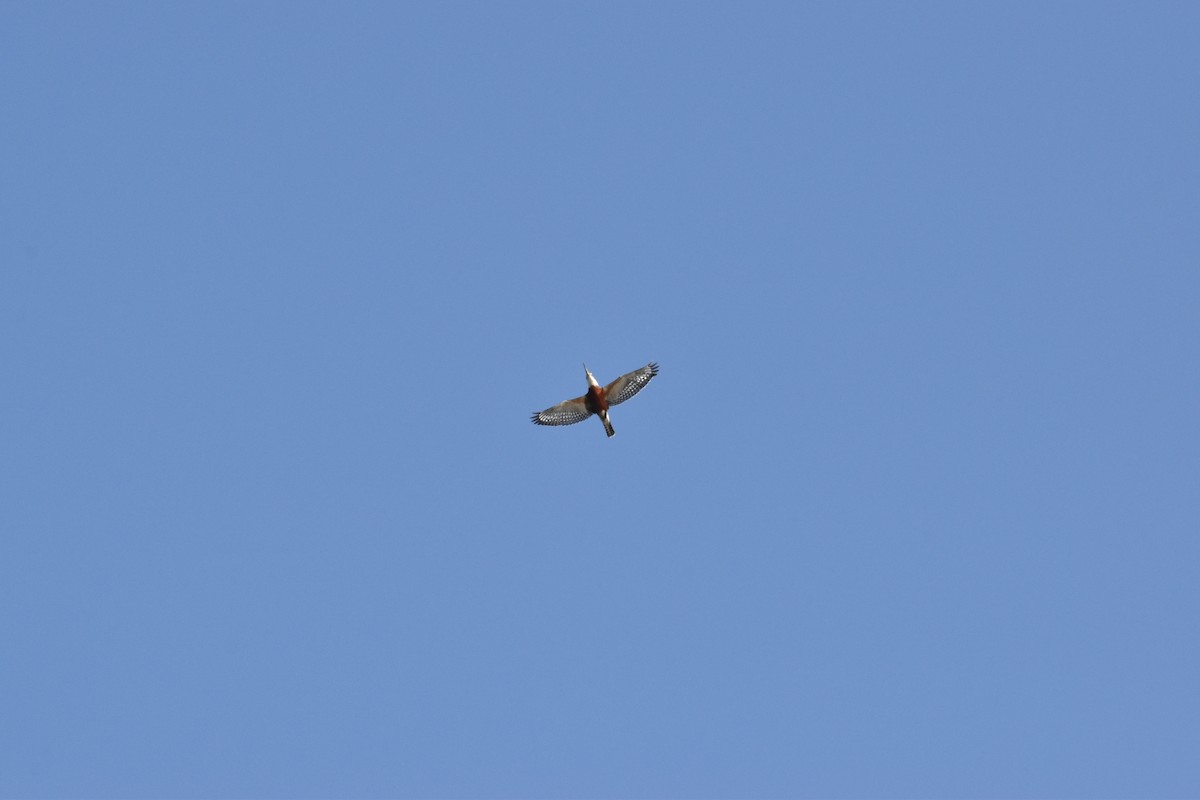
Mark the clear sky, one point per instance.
(912, 509)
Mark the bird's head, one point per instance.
(591, 378)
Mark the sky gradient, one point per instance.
(911, 510)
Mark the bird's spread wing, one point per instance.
(566, 413)
(628, 385)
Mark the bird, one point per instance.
(598, 399)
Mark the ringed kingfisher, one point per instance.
(598, 399)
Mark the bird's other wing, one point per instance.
(565, 413)
(630, 384)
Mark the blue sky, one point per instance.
(910, 511)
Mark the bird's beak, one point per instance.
(590, 377)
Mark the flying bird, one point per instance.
(598, 399)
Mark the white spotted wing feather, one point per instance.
(630, 384)
(565, 413)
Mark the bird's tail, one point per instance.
(608, 428)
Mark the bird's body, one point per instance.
(598, 399)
